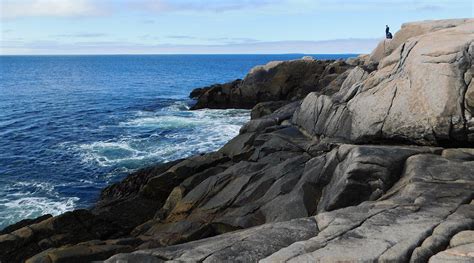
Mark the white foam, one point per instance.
(164, 122)
(177, 106)
(187, 133)
(27, 207)
(110, 153)
(41, 199)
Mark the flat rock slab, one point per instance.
(431, 200)
(241, 246)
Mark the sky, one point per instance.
(42, 27)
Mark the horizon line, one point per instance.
(176, 54)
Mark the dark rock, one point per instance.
(421, 206)
(241, 147)
(23, 223)
(68, 228)
(275, 118)
(219, 97)
(160, 186)
(133, 183)
(265, 108)
(276, 81)
(196, 93)
(365, 173)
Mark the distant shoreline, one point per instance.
(190, 54)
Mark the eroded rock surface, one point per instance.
(413, 220)
(417, 95)
(375, 164)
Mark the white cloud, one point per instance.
(52, 8)
(81, 35)
(364, 5)
(76, 8)
(216, 40)
(200, 5)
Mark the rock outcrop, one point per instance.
(368, 162)
(276, 81)
(410, 30)
(413, 221)
(417, 95)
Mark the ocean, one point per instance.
(71, 125)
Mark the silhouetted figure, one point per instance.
(388, 35)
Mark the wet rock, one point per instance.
(219, 96)
(23, 223)
(69, 228)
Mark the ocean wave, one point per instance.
(170, 133)
(163, 122)
(30, 200)
(141, 139)
(177, 106)
(31, 207)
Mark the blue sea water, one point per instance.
(70, 125)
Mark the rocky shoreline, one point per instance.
(363, 160)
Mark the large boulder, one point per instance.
(418, 95)
(409, 30)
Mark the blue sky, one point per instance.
(209, 26)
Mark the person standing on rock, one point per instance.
(388, 35)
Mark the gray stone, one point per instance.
(461, 254)
(258, 242)
(416, 95)
(462, 238)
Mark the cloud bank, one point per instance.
(337, 46)
(11, 9)
(49, 8)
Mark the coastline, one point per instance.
(334, 150)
